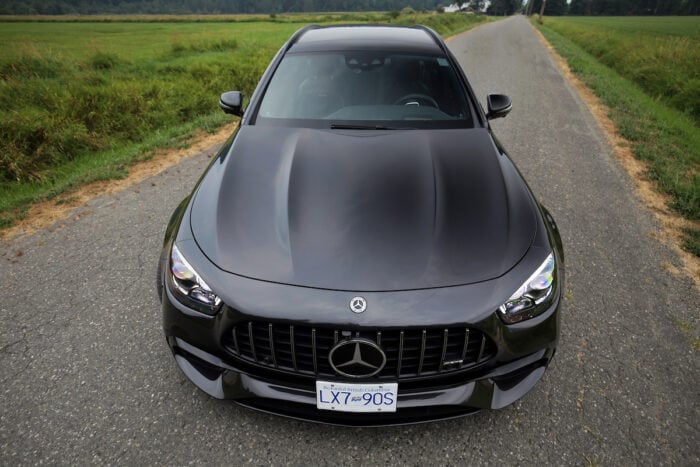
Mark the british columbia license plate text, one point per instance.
(350, 397)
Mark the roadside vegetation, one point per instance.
(646, 71)
(660, 54)
(83, 100)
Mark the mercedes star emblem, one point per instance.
(358, 304)
(357, 358)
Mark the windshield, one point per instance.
(365, 89)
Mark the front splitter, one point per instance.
(501, 387)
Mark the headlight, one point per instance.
(533, 297)
(189, 287)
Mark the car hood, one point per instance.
(363, 210)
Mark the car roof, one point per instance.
(367, 37)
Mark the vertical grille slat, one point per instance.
(252, 340)
(291, 345)
(410, 352)
(235, 341)
(313, 349)
(272, 344)
(466, 346)
(398, 364)
(481, 348)
(422, 352)
(444, 350)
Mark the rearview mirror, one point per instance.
(231, 103)
(498, 106)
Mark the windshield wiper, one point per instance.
(342, 126)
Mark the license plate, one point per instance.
(351, 397)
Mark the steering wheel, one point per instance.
(416, 99)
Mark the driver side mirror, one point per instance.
(232, 103)
(498, 106)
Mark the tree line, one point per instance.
(497, 7)
(89, 7)
(618, 7)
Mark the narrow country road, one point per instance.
(87, 376)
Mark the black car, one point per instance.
(362, 250)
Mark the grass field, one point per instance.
(660, 54)
(645, 26)
(84, 99)
(647, 71)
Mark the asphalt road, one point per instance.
(87, 377)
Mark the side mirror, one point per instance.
(498, 106)
(231, 103)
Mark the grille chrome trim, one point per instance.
(466, 346)
(481, 348)
(251, 340)
(444, 351)
(235, 341)
(400, 359)
(422, 352)
(292, 347)
(272, 344)
(313, 349)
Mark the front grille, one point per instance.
(410, 352)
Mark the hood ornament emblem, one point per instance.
(358, 304)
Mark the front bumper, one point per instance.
(524, 352)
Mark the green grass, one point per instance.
(661, 55)
(666, 138)
(82, 100)
(646, 26)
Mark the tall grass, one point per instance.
(663, 60)
(57, 111)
